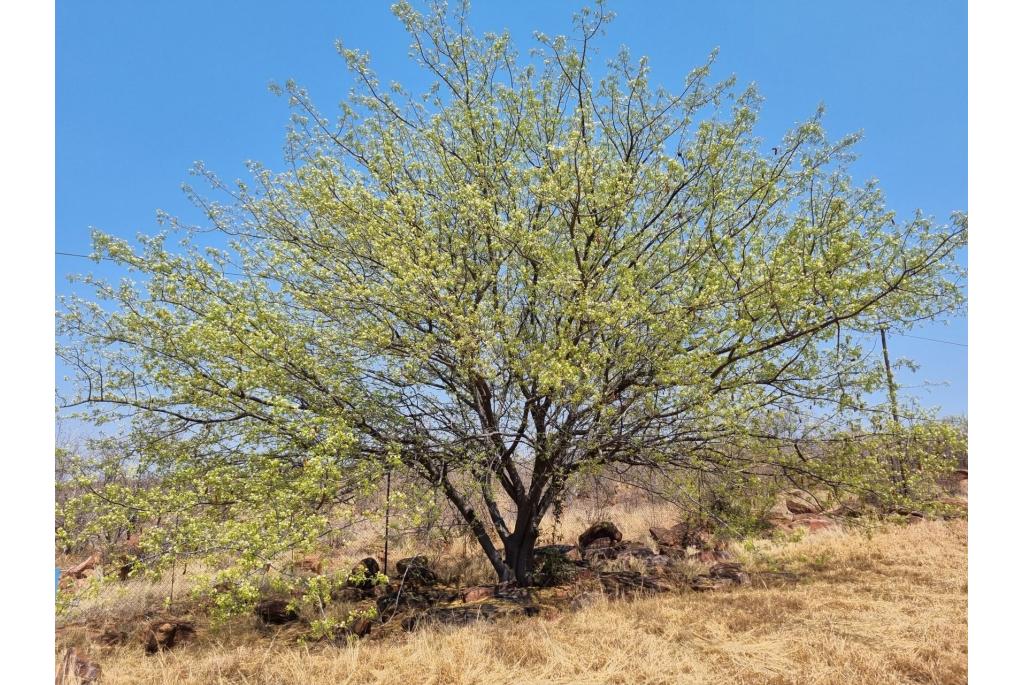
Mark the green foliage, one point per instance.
(360, 578)
(524, 273)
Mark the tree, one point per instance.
(527, 272)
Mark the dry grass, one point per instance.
(891, 608)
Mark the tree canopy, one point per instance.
(540, 265)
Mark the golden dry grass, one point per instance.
(891, 608)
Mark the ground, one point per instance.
(887, 605)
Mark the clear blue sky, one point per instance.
(145, 89)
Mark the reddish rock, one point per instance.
(160, 635)
(602, 530)
(815, 523)
(475, 594)
(801, 502)
(81, 569)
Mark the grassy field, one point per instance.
(847, 608)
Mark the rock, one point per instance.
(630, 583)
(366, 569)
(360, 627)
(678, 538)
(659, 561)
(815, 523)
(112, 636)
(846, 509)
(369, 565)
(730, 571)
(452, 616)
(604, 549)
(457, 616)
(276, 612)
(160, 635)
(704, 583)
(598, 531)
(402, 597)
(801, 502)
(566, 551)
(510, 592)
(81, 569)
(76, 668)
(710, 556)
(556, 564)
(348, 593)
(311, 563)
(475, 594)
(415, 569)
(779, 515)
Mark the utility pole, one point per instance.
(895, 412)
(888, 373)
(387, 519)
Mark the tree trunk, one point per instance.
(519, 555)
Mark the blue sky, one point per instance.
(146, 89)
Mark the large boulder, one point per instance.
(602, 530)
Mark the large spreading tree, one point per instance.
(540, 265)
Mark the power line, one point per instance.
(921, 337)
(109, 259)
